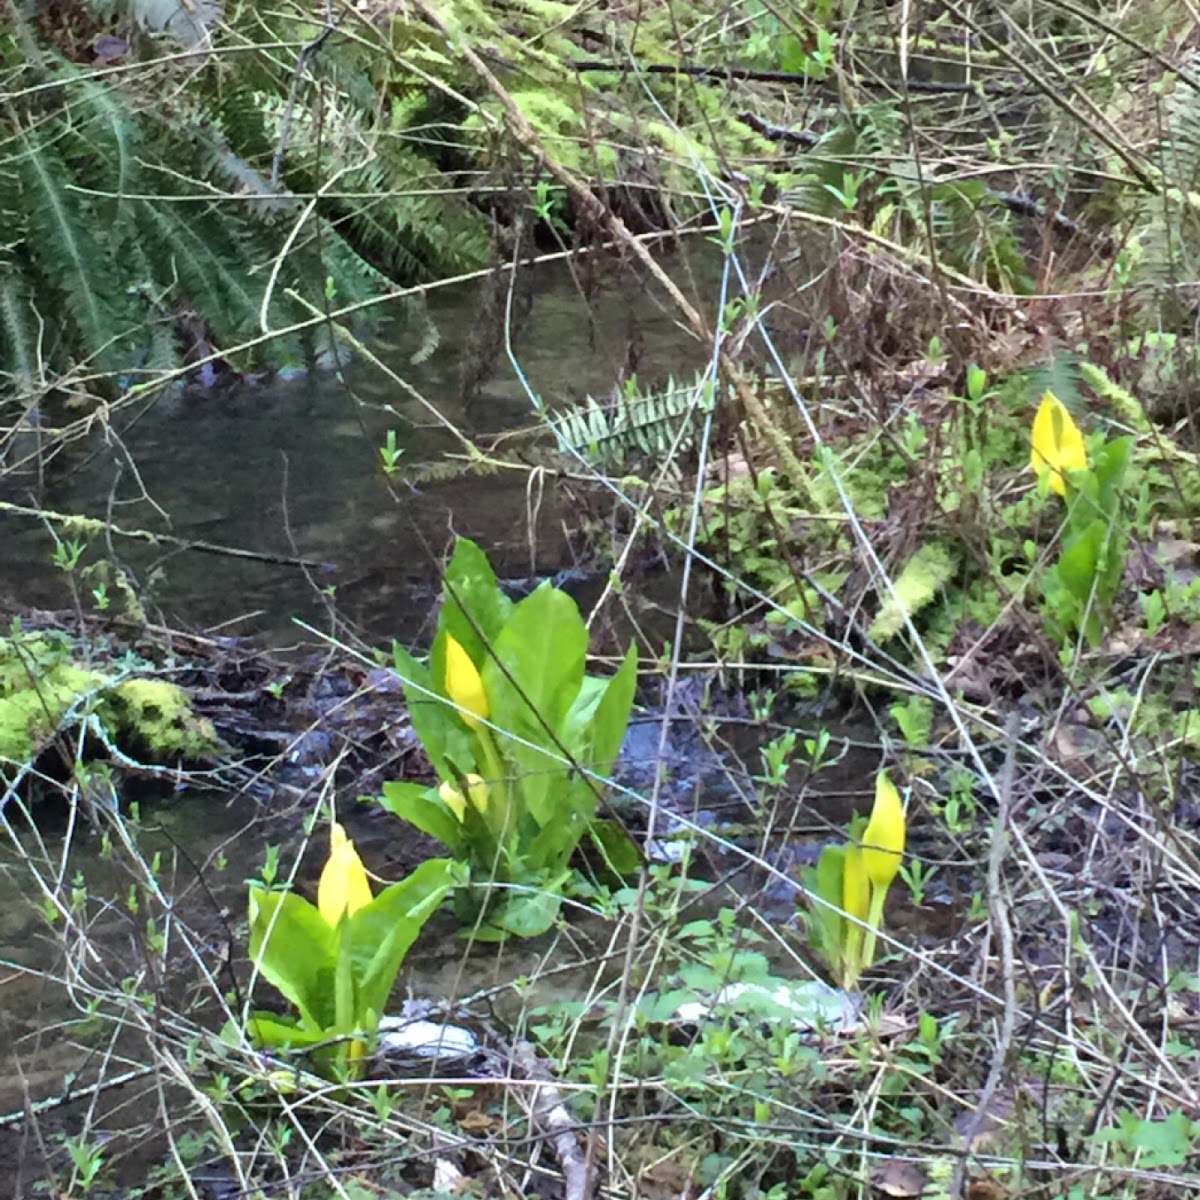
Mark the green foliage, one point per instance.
(850, 888)
(829, 933)
(1165, 231)
(130, 224)
(1079, 589)
(650, 424)
(339, 976)
(1152, 1144)
(520, 791)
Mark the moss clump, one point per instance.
(42, 682)
(159, 716)
(39, 684)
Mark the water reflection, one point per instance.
(292, 469)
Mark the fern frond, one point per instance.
(209, 279)
(427, 329)
(654, 424)
(68, 253)
(18, 337)
(1061, 375)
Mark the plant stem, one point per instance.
(874, 923)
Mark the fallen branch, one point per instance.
(552, 1120)
(95, 527)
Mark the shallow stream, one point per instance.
(292, 469)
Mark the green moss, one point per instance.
(159, 716)
(41, 682)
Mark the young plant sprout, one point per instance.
(337, 960)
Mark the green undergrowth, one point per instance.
(943, 496)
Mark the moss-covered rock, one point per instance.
(159, 716)
(44, 686)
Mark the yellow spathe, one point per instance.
(343, 887)
(477, 793)
(464, 685)
(883, 839)
(1057, 443)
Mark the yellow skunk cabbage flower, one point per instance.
(343, 887)
(1057, 443)
(464, 685)
(882, 850)
(883, 838)
(477, 793)
(452, 798)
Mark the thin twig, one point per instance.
(999, 917)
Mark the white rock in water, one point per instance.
(811, 1004)
(425, 1039)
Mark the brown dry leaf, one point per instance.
(667, 1179)
(1179, 553)
(986, 1188)
(900, 1178)
(476, 1122)
(983, 1131)
(892, 1025)
(1070, 744)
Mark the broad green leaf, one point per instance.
(296, 952)
(826, 881)
(612, 715)
(551, 848)
(427, 713)
(443, 736)
(1111, 461)
(1080, 560)
(527, 915)
(576, 729)
(1165, 1143)
(420, 806)
(382, 932)
(270, 1031)
(618, 848)
(475, 609)
(532, 682)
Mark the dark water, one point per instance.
(293, 469)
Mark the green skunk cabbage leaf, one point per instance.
(296, 952)
(475, 609)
